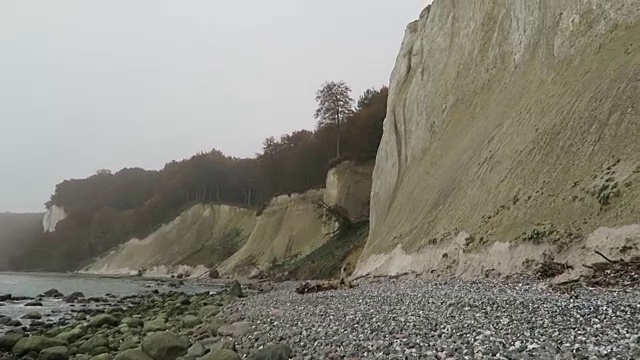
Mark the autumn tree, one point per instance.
(335, 105)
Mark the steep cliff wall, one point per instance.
(349, 185)
(512, 130)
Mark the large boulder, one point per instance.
(164, 346)
(102, 320)
(272, 352)
(222, 354)
(8, 341)
(34, 315)
(54, 353)
(235, 289)
(34, 343)
(132, 354)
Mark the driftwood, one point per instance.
(609, 273)
(550, 269)
(309, 288)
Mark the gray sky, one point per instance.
(87, 85)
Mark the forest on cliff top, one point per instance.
(107, 209)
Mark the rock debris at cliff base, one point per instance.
(414, 319)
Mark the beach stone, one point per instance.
(53, 332)
(94, 342)
(13, 323)
(70, 336)
(99, 350)
(102, 357)
(133, 322)
(81, 357)
(190, 321)
(214, 274)
(214, 326)
(129, 343)
(132, 354)
(196, 350)
(236, 330)
(34, 343)
(102, 320)
(224, 344)
(155, 325)
(235, 289)
(33, 303)
(164, 346)
(73, 297)
(5, 297)
(222, 354)
(272, 352)
(8, 341)
(54, 353)
(34, 315)
(53, 293)
(209, 310)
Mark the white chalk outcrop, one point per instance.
(52, 217)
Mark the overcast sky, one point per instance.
(88, 85)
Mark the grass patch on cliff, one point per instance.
(213, 253)
(326, 261)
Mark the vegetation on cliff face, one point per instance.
(107, 208)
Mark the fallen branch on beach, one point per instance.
(309, 288)
(608, 273)
(551, 269)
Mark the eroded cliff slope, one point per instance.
(200, 238)
(513, 129)
(236, 241)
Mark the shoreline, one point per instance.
(380, 318)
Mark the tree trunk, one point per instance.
(338, 135)
(338, 143)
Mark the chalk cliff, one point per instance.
(512, 130)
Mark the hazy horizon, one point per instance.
(108, 85)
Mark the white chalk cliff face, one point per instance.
(505, 117)
(52, 217)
